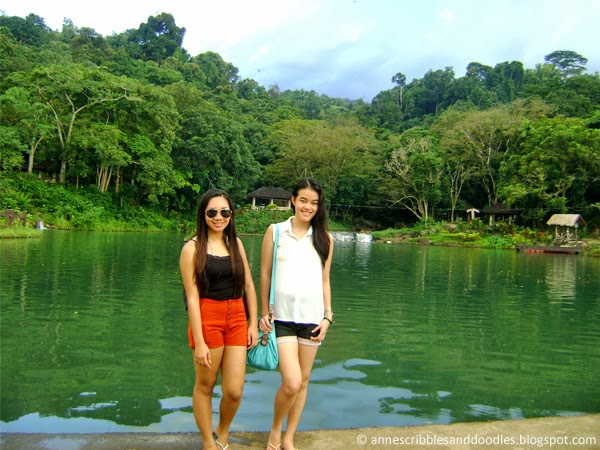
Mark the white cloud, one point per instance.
(447, 16)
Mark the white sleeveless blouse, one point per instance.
(298, 278)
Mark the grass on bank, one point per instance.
(19, 231)
(476, 234)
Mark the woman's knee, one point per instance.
(291, 386)
(304, 383)
(233, 394)
(205, 386)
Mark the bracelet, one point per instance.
(328, 320)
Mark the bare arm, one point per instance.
(187, 266)
(266, 264)
(325, 323)
(251, 302)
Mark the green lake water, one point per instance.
(93, 337)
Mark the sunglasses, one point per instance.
(212, 213)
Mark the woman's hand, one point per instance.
(202, 355)
(321, 329)
(252, 336)
(265, 324)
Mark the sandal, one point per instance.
(216, 438)
(274, 447)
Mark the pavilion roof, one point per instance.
(566, 220)
(270, 192)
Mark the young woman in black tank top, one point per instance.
(216, 276)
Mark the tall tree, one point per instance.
(327, 151)
(32, 30)
(490, 135)
(460, 166)
(400, 80)
(218, 73)
(416, 167)
(554, 168)
(570, 63)
(436, 83)
(159, 38)
(29, 117)
(105, 141)
(68, 91)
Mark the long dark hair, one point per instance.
(229, 237)
(319, 221)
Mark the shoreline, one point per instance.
(564, 432)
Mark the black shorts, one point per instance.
(295, 332)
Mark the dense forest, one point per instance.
(130, 127)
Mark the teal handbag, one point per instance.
(265, 355)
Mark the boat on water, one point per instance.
(568, 250)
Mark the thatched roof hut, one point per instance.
(564, 223)
(275, 196)
(566, 220)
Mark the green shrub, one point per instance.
(497, 242)
(257, 222)
(383, 235)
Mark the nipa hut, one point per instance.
(500, 212)
(271, 196)
(564, 223)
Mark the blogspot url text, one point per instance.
(500, 439)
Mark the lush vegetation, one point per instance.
(126, 131)
(18, 231)
(476, 234)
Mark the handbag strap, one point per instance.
(273, 266)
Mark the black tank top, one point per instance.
(220, 278)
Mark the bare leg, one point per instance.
(295, 364)
(202, 397)
(233, 372)
(306, 356)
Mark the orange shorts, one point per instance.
(223, 323)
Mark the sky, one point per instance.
(348, 48)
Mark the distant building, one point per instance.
(470, 210)
(500, 212)
(265, 196)
(564, 223)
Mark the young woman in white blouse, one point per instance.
(302, 308)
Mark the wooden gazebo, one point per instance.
(564, 223)
(271, 196)
(499, 211)
(470, 210)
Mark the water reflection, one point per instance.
(96, 341)
(560, 280)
